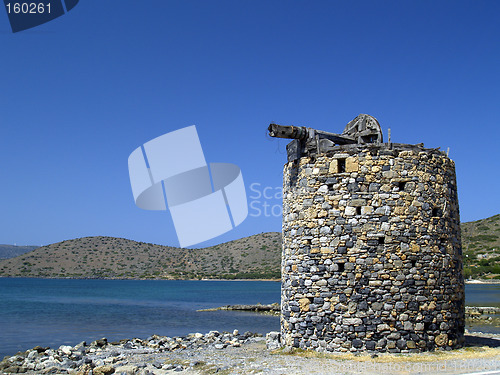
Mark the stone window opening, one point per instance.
(437, 212)
(341, 165)
(341, 267)
(369, 138)
(402, 185)
(381, 240)
(358, 210)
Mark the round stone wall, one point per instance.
(372, 251)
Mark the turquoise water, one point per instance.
(52, 312)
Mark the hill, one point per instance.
(257, 256)
(12, 251)
(481, 248)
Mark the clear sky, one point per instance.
(80, 93)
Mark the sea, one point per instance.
(54, 312)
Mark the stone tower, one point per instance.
(372, 255)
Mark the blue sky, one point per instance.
(80, 93)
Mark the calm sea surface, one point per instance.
(50, 312)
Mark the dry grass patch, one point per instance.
(458, 354)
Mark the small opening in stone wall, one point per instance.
(358, 210)
(413, 263)
(437, 212)
(341, 165)
(341, 267)
(381, 240)
(312, 160)
(402, 185)
(369, 138)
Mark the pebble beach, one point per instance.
(243, 353)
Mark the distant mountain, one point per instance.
(257, 256)
(12, 251)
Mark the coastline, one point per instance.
(235, 353)
(129, 278)
(473, 281)
(482, 281)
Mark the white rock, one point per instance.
(127, 369)
(65, 349)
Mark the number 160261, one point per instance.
(28, 8)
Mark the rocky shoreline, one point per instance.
(273, 308)
(102, 357)
(235, 353)
(482, 315)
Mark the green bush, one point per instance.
(485, 237)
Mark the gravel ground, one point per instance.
(245, 354)
(254, 358)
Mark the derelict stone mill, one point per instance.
(371, 243)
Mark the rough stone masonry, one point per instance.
(371, 247)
